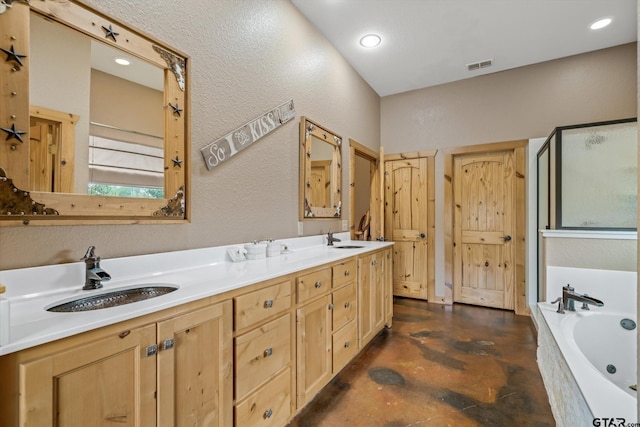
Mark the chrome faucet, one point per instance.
(94, 275)
(331, 239)
(569, 296)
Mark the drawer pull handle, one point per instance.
(318, 284)
(346, 272)
(167, 344)
(347, 344)
(331, 306)
(374, 262)
(347, 304)
(268, 352)
(268, 413)
(268, 303)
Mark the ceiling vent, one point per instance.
(481, 64)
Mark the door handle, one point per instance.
(422, 235)
(507, 238)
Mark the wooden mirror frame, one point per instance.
(19, 205)
(309, 129)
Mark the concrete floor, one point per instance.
(439, 366)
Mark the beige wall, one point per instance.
(246, 57)
(522, 103)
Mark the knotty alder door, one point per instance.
(406, 225)
(484, 223)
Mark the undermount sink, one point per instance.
(114, 298)
(349, 247)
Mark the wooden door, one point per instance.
(314, 348)
(43, 147)
(110, 381)
(484, 211)
(406, 224)
(195, 375)
(320, 184)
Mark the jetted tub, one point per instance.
(588, 363)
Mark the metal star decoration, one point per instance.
(110, 32)
(177, 162)
(13, 133)
(12, 55)
(176, 109)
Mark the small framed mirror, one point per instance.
(320, 171)
(96, 129)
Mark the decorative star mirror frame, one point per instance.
(20, 202)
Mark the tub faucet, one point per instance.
(331, 239)
(569, 296)
(94, 275)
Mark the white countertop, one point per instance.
(199, 273)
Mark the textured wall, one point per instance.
(522, 103)
(246, 57)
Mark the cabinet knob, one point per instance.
(151, 350)
(422, 235)
(347, 304)
(268, 303)
(167, 344)
(318, 284)
(268, 352)
(347, 344)
(331, 306)
(268, 413)
(346, 272)
(507, 238)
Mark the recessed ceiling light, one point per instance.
(370, 40)
(122, 61)
(601, 23)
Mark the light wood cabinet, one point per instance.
(110, 380)
(264, 347)
(314, 348)
(195, 368)
(326, 326)
(372, 294)
(174, 372)
(251, 356)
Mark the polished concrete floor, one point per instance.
(439, 366)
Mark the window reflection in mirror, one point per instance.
(320, 171)
(116, 147)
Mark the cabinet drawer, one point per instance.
(314, 284)
(262, 352)
(258, 305)
(345, 346)
(344, 306)
(344, 273)
(269, 406)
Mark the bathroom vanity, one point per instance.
(242, 343)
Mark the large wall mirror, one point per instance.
(96, 123)
(320, 171)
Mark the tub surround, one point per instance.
(199, 273)
(577, 391)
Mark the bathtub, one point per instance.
(574, 351)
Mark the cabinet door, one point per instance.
(377, 284)
(365, 296)
(110, 381)
(371, 296)
(195, 382)
(314, 348)
(388, 287)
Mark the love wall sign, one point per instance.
(231, 144)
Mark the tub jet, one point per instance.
(628, 324)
